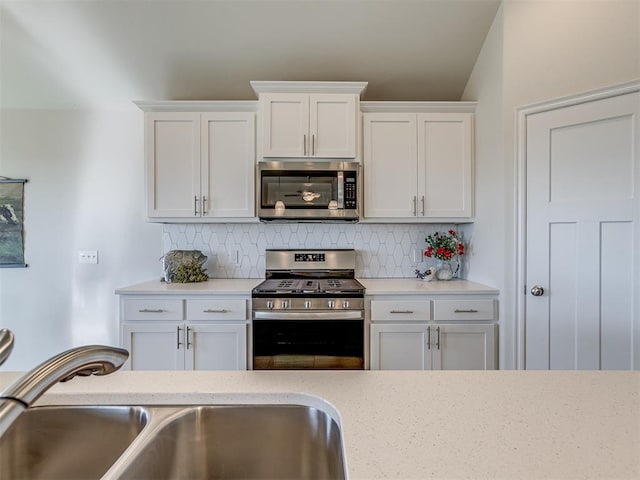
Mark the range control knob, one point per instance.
(345, 304)
(284, 304)
(270, 304)
(307, 304)
(331, 304)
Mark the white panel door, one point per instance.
(285, 126)
(332, 125)
(173, 163)
(445, 150)
(154, 346)
(390, 165)
(216, 347)
(463, 347)
(582, 235)
(399, 347)
(228, 162)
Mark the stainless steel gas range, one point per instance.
(309, 312)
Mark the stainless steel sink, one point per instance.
(241, 442)
(173, 442)
(68, 442)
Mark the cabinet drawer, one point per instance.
(400, 310)
(216, 309)
(152, 309)
(478, 309)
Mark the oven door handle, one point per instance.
(324, 315)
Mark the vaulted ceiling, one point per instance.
(106, 53)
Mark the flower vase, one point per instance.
(445, 271)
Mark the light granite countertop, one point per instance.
(383, 286)
(229, 286)
(427, 424)
(373, 286)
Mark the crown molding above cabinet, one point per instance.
(418, 107)
(197, 105)
(354, 88)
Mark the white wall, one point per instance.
(548, 49)
(85, 192)
(486, 259)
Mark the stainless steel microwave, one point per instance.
(308, 191)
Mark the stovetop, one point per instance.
(306, 286)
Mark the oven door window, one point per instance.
(322, 344)
(298, 189)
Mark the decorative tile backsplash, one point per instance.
(236, 250)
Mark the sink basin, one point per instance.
(173, 442)
(241, 442)
(68, 442)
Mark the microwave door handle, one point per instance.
(340, 193)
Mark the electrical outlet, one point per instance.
(88, 256)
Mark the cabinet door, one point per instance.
(332, 126)
(154, 346)
(399, 347)
(216, 347)
(445, 145)
(285, 126)
(390, 165)
(463, 347)
(228, 161)
(172, 154)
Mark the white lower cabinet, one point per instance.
(206, 334)
(400, 341)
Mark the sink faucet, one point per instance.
(82, 361)
(6, 344)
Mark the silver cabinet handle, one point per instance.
(429, 338)
(401, 311)
(438, 338)
(188, 340)
(304, 144)
(204, 205)
(313, 145)
(537, 291)
(178, 330)
(471, 310)
(423, 205)
(151, 310)
(415, 206)
(210, 310)
(195, 206)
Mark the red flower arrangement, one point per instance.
(443, 246)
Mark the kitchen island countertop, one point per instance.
(426, 424)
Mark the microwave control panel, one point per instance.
(350, 190)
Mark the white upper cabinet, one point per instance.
(173, 163)
(200, 165)
(418, 166)
(309, 119)
(285, 125)
(228, 162)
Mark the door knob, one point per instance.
(537, 291)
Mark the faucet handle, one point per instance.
(6, 344)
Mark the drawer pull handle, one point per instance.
(209, 310)
(471, 310)
(401, 311)
(151, 310)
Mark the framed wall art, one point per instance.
(12, 223)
